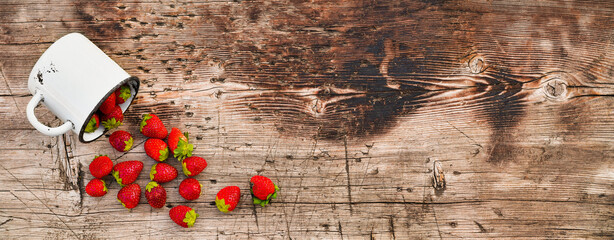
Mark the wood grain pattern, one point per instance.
(345, 105)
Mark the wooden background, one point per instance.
(346, 105)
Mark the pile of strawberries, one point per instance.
(111, 112)
(125, 173)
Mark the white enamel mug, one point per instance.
(72, 78)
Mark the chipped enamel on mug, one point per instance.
(72, 79)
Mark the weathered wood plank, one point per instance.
(346, 105)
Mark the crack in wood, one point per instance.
(482, 229)
(9, 89)
(37, 198)
(255, 214)
(391, 224)
(5, 222)
(347, 172)
(436, 222)
(340, 229)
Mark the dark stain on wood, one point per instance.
(330, 82)
(102, 20)
(357, 81)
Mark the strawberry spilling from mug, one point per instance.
(108, 104)
(179, 145)
(262, 189)
(96, 188)
(114, 119)
(152, 126)
(162, 173)
(130, 195)
(101, 166)
(156, 149)
(122, 94)
(190, 189)
(183, 215)
(93, 124)
(127, 172)
(155, 194)
(121, 140)
(192, 166)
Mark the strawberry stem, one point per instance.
(153, 172)
(111, 123)
(128, 145)
(190, 217)
(183, 150)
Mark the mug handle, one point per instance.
(42, 127)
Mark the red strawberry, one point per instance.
(152, 126)
(162, 172)
(107, 106)
(227, 199)
(263, 190)
(122, 94)
(155, 194)
(183, 215)
(96, 188)
(156, 149)
(178, 143)
(121, 140)
(101, 166)
(130, 195)
(114, 118)
(192, 166)
(126, 172)
(93, 124)
(190, 189)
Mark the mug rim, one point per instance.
(84, 125)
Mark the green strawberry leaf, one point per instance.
(120, 201)
(183, 150)
(190, 217)
(274, 194)
(153, 172)
(111, 123)
(144, 121)
(151, 185)
(185, 170)
(117, 178)
(128, 144)
(104, 186)
(163, 154)
(91, 126)
(124, 92)
(221, 205)
(268, 199)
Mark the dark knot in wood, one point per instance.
(554, 85)
(555, 88)
(477, 64)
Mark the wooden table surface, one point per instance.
(346, 105)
